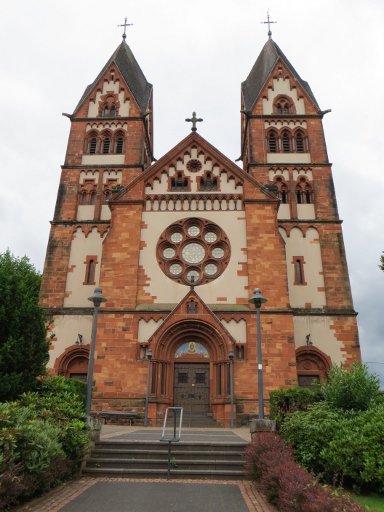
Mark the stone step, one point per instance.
(131, 454)
(176, 447)
(174, 473)
(188, 464)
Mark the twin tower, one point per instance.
(178, 245)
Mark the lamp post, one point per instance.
(97, 298)
(231, 356)
(149, 357)
(257, 299)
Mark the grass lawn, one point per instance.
(373, 502)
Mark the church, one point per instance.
(179, 244)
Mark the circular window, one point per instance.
(193, 253)
(169, 252)
(194, 165)
(199, 251)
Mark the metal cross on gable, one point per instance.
(194, 120)
(269, 23)
(125, 25)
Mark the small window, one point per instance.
(106, 145)
(283, 106)
(83, 198)
(298, 262)
(308, 195)
(240, 352)
(208, 183)
(92, 147)
(299, 141)
(182, 378)
(284, 195)
(286, 142)
(200, 378)
(218, 380)
(179, 184)
(308, 381)
(272, 142)
(90, 267)
(92, 197)
(119, 145)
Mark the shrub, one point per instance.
(343, 446)
(284, 401)
(42, 439)
(353, 389)
(288, 485)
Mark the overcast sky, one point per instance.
(196, 53)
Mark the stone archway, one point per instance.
(73, 363)
(312, 366)
(195, 379)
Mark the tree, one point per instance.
(381, 266)
(23, 344)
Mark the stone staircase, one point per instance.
(149, 459)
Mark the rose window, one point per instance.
(193, 251)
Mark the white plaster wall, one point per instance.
(102, 159)
(301, 172)
(229, 284)
(309, 248)
(114, 87)
(112, 175)
(238, 330)
(147, 328)
(282, 86)
(85, 212)
(66, 328)
(81, 247)
(284, 211)
(288, 158)
(322, 335)
(105, 213)
(305, 211)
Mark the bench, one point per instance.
(120, 415)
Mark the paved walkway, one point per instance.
(88, 494)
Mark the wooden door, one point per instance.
(191, 390)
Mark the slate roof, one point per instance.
(261, 70)
(128, 66)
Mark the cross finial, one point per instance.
(194, 120)
(268, 22)
(125, 25)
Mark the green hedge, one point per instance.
(43, 436)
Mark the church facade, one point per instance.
(178, 245)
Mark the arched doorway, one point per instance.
(73, 363)
(312, 366)
(190, 369)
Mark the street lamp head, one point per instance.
(257, 299)
(149, 354)
(231, 355)
(97, 298)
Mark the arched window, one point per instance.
(298, 262)
(299, 142)
(92, 144)
(92, 197)
(208, 183)
(107, 196)
(90, 268)
(106, 144)
(180, 183)
(272, 142)
(108, 111)
(119, 143)
(286, 141)
(83, 197)
(282, 190)
(304, 194)
(283, 106)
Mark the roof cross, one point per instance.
(268, 22)
(194, 120)
(125, 25)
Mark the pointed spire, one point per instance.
(259, 74)
(128, 66)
